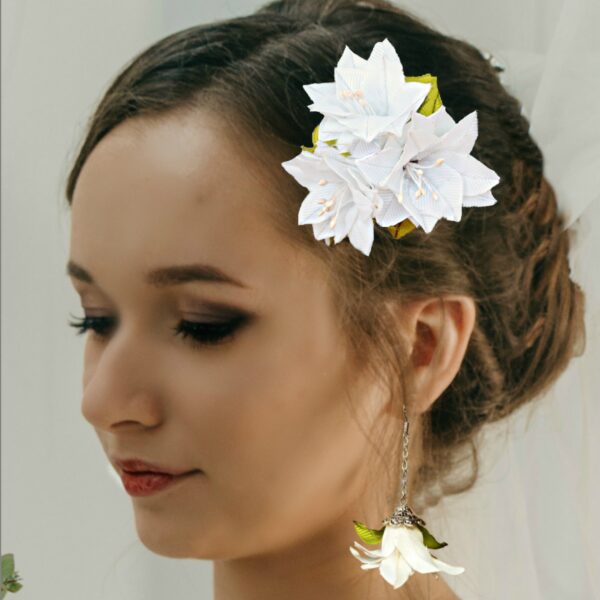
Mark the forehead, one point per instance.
(176, 190)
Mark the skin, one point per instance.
(264, 414)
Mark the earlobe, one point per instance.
(441, 329)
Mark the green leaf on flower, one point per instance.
(429, 540)
(370, 536)
(315, 135)
(401, 229)
(433, 99)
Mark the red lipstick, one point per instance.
(137, 465)
(141, 478)
(137, 484)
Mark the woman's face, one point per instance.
(262, 412)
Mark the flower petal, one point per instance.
(409, 541)
(361, 149)
(395, 570)
(388, 541)
(368, 562)
(350, 79)
(346, 218)
(322, 230)
(308, 169)
(446, 183)
(310, 209)
(477, 178)
(461, 138)
(367, 127)
(361, 235)
(377, 166)
(374, 554)
(325, 99)
(486, 199)
(442, 566)
(391, 211)
(438, 123)
(349, 60)
(418, 143)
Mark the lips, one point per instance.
(137, 465)
(148, 484)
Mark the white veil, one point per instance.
(528, 529)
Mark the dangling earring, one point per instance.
(403, 537)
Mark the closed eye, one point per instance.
(198, 334)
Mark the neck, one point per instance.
(319, 567)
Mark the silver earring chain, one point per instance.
(404, 484)
(403, 514)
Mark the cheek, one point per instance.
(280, 441)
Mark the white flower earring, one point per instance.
(405, 542)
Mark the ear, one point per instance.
(438, 331)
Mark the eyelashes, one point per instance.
(197, 334)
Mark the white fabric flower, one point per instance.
(340, 203)
(431, 173)
(368, 97)
(376, 159)
(402, 553)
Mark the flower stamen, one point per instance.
(420, 182)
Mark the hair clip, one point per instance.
(385, 150)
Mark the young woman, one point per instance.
(264, 376)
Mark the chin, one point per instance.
(182, 541)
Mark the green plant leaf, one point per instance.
(10, 577)
(315, 135)
(433, 100)
(429, 540)
(13, 586)
(401, 229)
(370, 536)
(8, 565)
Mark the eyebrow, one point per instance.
(166, 276)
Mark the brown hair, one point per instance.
(512, 258)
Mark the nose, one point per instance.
(120, 386)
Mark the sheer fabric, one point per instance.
(528, 528)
